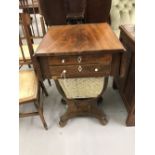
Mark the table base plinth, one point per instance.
(82, 108)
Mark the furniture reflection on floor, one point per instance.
(30, 92)
(87, 50)
(126, 85)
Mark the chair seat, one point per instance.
(26, 52)
(28, 86)
(82, 87)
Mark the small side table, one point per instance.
(126, 85)
(79, 51)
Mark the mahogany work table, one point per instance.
(83, 50)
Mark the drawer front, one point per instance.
(89, 70)
(86, 59)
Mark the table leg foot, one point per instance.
(103, 121)
(62, 123)
(82, 108)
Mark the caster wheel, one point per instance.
(103, 121)
(62, 123)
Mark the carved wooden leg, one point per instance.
(63, 120)
(82, 108)
(131, 117)
(96, 112)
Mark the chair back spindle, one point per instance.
(37, 26)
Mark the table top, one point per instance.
(79, 39)
(129, 30)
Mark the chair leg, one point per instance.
(20, 66)
(40, 112)
(29, 65)
(49, 82)
(42, 118)
(44, 88)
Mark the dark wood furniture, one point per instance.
(83, 50)
(57, 12)
(126, 85)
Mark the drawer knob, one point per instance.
(64, 71)
(63, 74)
(79, 68)
(63, 61)
(96, 69)
(79, 59)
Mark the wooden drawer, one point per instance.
(77, 59)
(89, 70)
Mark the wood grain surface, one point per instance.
(76, 39)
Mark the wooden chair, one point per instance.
(29, 5)
(24, 55)
(37, 26)
(30, 92)
(26, 51)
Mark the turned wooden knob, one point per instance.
(63, 61)
(96, 69)
(64, 71)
